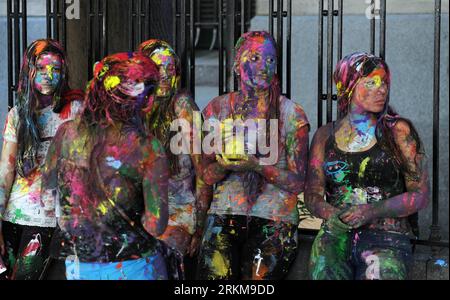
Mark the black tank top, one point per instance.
(355, 178)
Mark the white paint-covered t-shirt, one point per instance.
(26, 206)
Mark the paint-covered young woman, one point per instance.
(110, 177)
(44, 102)
(366, 176)
(251, 230)
(189, 196)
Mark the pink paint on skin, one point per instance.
(48, 73)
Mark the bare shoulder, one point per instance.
(184, 102)
(216, 105)
(291, 109)
(323, 133)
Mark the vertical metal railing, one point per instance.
(139, 19)
(378, 11)
(97, 31)
(233, 18)
(17, 43)
(184, 40)
(435, 230)
(56, 20)
(330, 13)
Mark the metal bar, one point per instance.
(63, 24)
(55, 20)
(105, 28)
(320, 67)
(95, 31)
(435, 227)
(330, 23)
(16, 43)
(89, 37)
(280, 42)
(147, 21)
(220, 29)
(383, 29)
(372, 27)
(192, 47)
(139, 21)
(289, 49)
(271, 4)
(48, 18)
(130, 26)
(175, 25)
(340, 27)
(10, 55)
(242, 16)
(183, 42)
(24, 25)
(233, 42)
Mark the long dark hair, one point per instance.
(161, 118)
(348, 72)
(27, 103)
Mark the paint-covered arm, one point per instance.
(186, 109)
(155, 188)
(315, 178)
(291, 179)
(414, 199)
(8, 159)
(417, 183)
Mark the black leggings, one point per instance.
(27, 248)
(241, 247)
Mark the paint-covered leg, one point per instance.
(216, 252)
(270, 250)
(330, 256)
(33, 251)
(176, 237)
(382, 256)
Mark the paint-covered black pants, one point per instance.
(27, 248)
(241, 247)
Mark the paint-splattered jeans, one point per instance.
(360, 255)
(27, 247)
(241, 247)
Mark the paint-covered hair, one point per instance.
(105, 102)
(162, 117)
(253, 180)
(349, 71)
(27, 101)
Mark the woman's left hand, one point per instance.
(249, 163)
(358, 215)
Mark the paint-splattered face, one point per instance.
(257, 64)
(371, 92)
(48, 73)
(165, 60)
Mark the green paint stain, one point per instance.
(362, 167)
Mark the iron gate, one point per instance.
(232, 16)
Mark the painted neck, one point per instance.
(44, 100)
(253, 97)
(363, 122)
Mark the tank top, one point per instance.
(356, 178)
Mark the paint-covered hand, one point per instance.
(358, 215)
(248, 163)
(335, 226)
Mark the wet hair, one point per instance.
(162, 117)
(349, 71)
(27, 102)
(105, 102)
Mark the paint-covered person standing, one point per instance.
(44, 102)
(189, 196)
(110, 177)
(251, 230)
(366, 176)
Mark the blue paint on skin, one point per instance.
(441, 263)
(113, 163)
